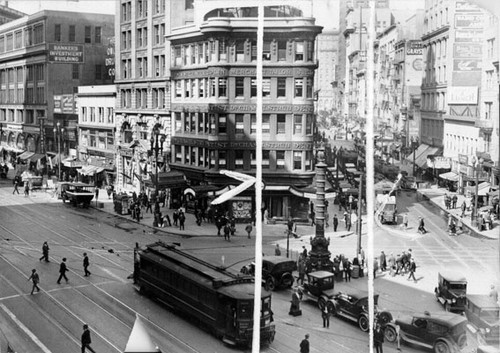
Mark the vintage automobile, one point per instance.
(443, 332)
(319, 288)
(76, 193)
(354, 306)
(451, 291)
(388, 210)
(483, 312)
(277, 272)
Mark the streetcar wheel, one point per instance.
(390, 334)
(363, 323)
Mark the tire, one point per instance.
(390, 334)
(287, 280)
(363, 323)
(384, 317)
(441, 347)
(331, 308)
(270, 284)
(321, 303)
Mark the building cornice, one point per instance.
(435, 33)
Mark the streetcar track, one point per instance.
(30, 246)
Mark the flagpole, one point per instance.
(258, 187)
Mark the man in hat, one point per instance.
(86, 340)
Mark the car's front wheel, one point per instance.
(321, 303)
(390, 334)
(363, 323)
(441, 347)
(270, 284)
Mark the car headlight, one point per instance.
(453, 300)
(487, 330)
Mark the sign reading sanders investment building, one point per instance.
(66, 54)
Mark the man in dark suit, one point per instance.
(86, 340)
(86, 264)
(62, 271)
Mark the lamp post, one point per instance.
(58, 131)
(157, 140)
(413, 144)
(477, 167)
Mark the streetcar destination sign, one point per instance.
(65, 54)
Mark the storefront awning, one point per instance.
(482, 189)
(90, 170)
(36, 157)
(72, 163)
(452, 176)
(170, 180)
(12, 149)
(26, 155)
(200, 190)
(421, 161)
(417, 152)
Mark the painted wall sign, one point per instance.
(462, 95)
(65, 54)
(414, 47)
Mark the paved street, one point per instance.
(107, 301)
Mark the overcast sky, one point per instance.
(326, 11)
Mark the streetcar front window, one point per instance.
(246, 310)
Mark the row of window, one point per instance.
(435, 50)
(140, 98)
(437, 20)
(173, 282)
(71, 34)
(97, 138)
(141, 67)
(26, 116)
(102, 115)
(240, 87)
(21, 38)
(23, 95)
(433, 75)
(243, 159)
(142, 37)
(141, 9)
(434, 101)
(17, 75)
(461, 144)
(274, 124)
(243, 50)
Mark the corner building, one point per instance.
(214, 96)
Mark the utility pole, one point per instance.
(360, 203)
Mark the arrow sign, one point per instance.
(247, 181)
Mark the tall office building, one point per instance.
(45, 57)
(214, 90)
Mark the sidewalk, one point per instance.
(436, 196)
(278, 230)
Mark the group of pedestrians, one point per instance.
(17, 182)
(63, 269)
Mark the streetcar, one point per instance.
(219, 300)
